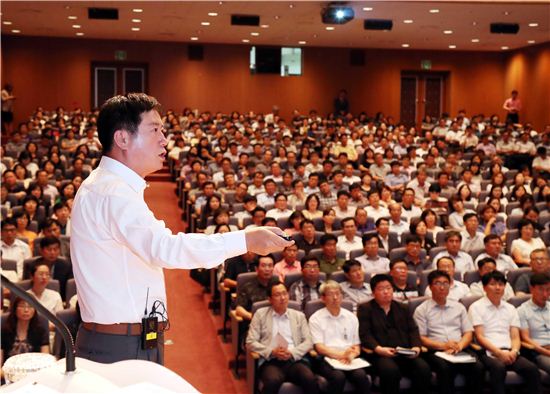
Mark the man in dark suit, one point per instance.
(60, 268)
(385, 326)
(388, 241)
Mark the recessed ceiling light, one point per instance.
(138, 10)
(135, 29)
(291, 5)
(474, 23)
(194, 38)
(245, 40)
(205, 23)
(367, 8)
(276, 16)
(302, 42)
(405, 45)
(452, 46)
(506, 13)
(533, 24)
(212, 14)
(531, 42)
(408, 21)
(79, 33)
(76, 26)
(7, 22)
(16, 31)
(447, 32)
(475, 39)
(136, 20)
(434, 11)
(329, 28)
(72, 17)
(255, 34)
(505, 48)
(264, 26)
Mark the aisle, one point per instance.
(197, 354)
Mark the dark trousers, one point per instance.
(474, 374)
(512, 118)
(390, 371)
(109, 348)
(273, 373)
(337, 379)
(525, 368)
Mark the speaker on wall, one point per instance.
(195, 52)
(378, 24)
(504, 28)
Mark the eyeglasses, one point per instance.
(442, 284)
(24, 306)
(311, 267)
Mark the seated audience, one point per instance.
(486, 265)
(523, 246)
(354, 288)
(402, 289)
(457, 289)
(329, 262)
(371, 261)
(349, 240)
(288, 263)
(540, 264)
(307, 288)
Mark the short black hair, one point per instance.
(272, 285)
(539, 279)
(349, 264)
(435, 274)
(368, 236)
(452, 234)
(122, 112)
(490, 237)
(327, 237)
(376, 279)
(494, 275)
(380, 220)
(47, 241)
(412, 238)
(469, 215)
(307, 258)
(486, 260)
(9, 221)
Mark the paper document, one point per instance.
(405, 351)
(356, 363)
(459, 358)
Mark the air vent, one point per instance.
(103, 13)
(378, 24)
(504, 28)
(245, 20)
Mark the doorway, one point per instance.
(110, 79)
(422, 94)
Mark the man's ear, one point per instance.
(121, 139)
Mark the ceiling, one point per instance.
(295, 23)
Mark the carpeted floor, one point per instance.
(195, 351)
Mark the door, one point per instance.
(110, 79)
(105, 84)
(133, 80)
(422, 93)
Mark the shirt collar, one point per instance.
(535, 307)
(129, 176)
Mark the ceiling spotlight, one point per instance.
(136, 20)
(408, 21)
(405, 45)
(505, 48)
(302, 42)
(79, 33)
(76, 26)
(6, 22)
(533, 24)
(245, 40)
(255, 34)
(135, 28)
(205, 23)
(367, 9)
(71, 17)
(137, 10)
(531, 42)
(475, 39)
(194, 38)
(212, 14)
(452, 46)
(337, 15)
(434, 11)
(447, 32)
(329, 28)
(16, 31)
(264, 26)
(291, 5)
(506, 13)
(277, 17)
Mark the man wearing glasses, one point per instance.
(307, 289)
(539, 265)
(534, 317)
(444, 326)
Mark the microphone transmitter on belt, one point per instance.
(149, 332)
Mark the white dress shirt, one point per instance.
(50, 299)
(442, 323)
(347, 246)
(496, 321)
(18, 251)
(338, 332)
(379, 265)
(457, 291)
(119, 248)
(281, 326)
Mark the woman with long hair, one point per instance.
(22, 332)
